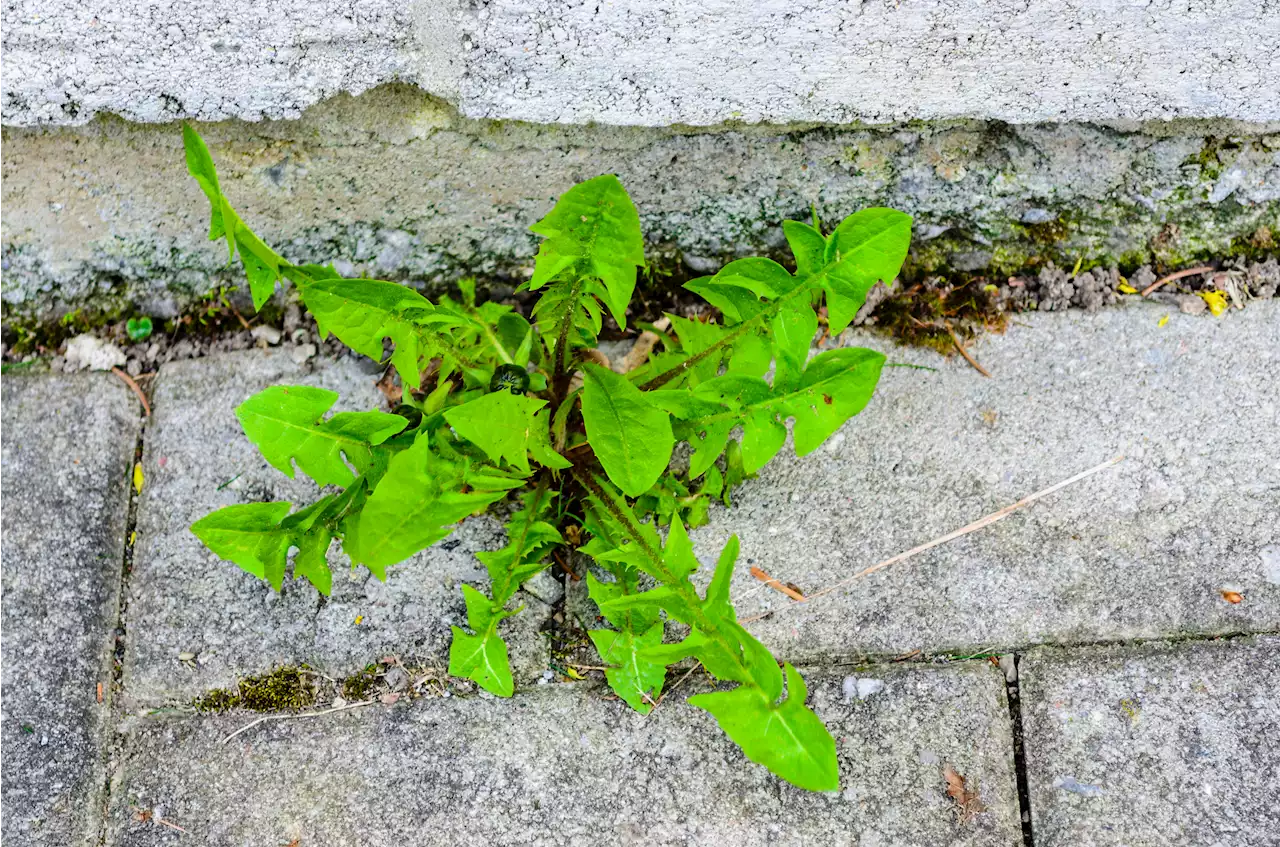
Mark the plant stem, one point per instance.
(560, 375)
(688, 594)
(740, 330)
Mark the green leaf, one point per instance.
(717, 600)
(807, 245)
(499, 423)
(787, 738)
(540, 442)
(249, 535)
(362, 312)
(635, 680)
(257, 537)
(593, 231)
(311, 561)
(836, 385)
(416, 503)
(482, 654)
(530, 540)
(669, 599)
(481, 657)
(286, 423)
(793, 331)
(631, 437)
(833, 387)
(138, 329)
(742, 289)
(867, 247)
(262, 265)
(677, 554)
(567, 311)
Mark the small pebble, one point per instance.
(302, 353)
(1191, 305)
(396, 679)
(292, 319)
(269, 334)
(860, 688)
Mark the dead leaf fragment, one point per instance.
(1232, 597)
(968, 803)
(390, 698)
(390, 386)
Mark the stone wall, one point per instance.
(1015, 133)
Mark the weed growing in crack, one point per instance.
(496, 408)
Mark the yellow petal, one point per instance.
(1162, 321)
(1217, 302)
(138, 478)
(1126, 288)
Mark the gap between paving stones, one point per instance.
(118, 625)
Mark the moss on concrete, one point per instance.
(282, 690)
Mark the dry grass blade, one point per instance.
(266, 718)
(679, 682)
(951, 536)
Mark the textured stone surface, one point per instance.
(183, 599)
(69, 444)
(562, 765)
(71, 59)
(1143, 550)
(1154, 745)
(396, 185)
(653, 63)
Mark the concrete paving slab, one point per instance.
(560, 764)
(183, 599)
(1143, 550)
(69, 443)
(1154, 745)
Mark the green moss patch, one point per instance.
(282, 690)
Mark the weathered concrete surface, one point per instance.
(1143, 550)
(1154, 745)
(562, 765)
(655, 63)
(68, 448)
(183, 599)
(396, 185)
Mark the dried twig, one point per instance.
(169, 824)
(266, 718)
(951, 536)
(239, 316)
(963, 352)
(137, 389)
(1171, 277)
(775, 585)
